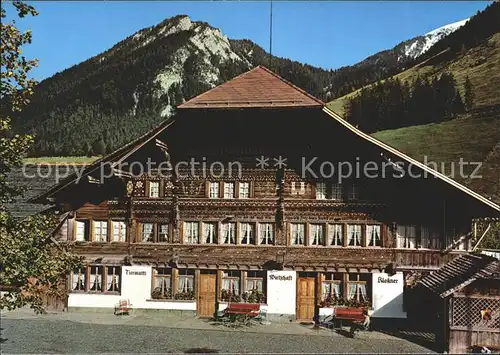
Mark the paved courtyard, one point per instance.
(76, 332)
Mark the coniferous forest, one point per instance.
(393, 104)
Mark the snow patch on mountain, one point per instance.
(423, 43)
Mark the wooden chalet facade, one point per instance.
(213, 221)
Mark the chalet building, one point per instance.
(248, 198)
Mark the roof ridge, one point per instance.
(290, 84)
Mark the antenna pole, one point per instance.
(271, 35)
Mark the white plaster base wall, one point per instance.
(136, 287)
(92, 300)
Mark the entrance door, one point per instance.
(306, 298)
(206, 300)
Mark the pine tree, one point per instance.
(469, 94)
(88, 149)
(458, 104)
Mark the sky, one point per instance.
(327, 34)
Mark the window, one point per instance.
(154, 189)
(229, 233)
(254, 287)
(229, 190)
(302, 188)
(113, 278)
(163, 233)
(317, 234)
(82, 231)
(191, 232)
(320, 191)
(353, 193)
(162, 283)
(247, 235)
(297, 231)
(79, 280)
(373, 236)
(292, 188)
(147, 233)
(354, 235)
(230, 290)
(100, 231)
(337, 192)
(185, 287)
(357, 288)
(331, 288)
(244, 190)
(430, 239)
(266, 231)
(210, 235)
(96, 278)
(335, 235)
(406, 237)
(213, 190)
(92, 278)
(119, 231)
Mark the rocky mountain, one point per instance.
(100, 104)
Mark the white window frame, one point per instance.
(406, 237)
(353, 193)
(228, 233)
(354, 233)
(191, 233)
(154, 189)
(320, 191)
(429, 239)
(100, 231)
(249, 229)
(145, 230)
(296, 230)
(81, 231)
(244, 190)
(214, 189)
(119, 231)
(229, 190)
(163, 233)
(210, 235)
(266, 234)
(317, 230)
(337, 192)
(333, 231)
(377, 229)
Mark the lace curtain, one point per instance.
(335, 234)
(254, 285)
(298, 234)
(266, 233)
(373, 234)
(229, 233)
(352, 291)
(96, 279)
(186, 284)
(119, 231)
(210, 235)
(191, 235)
(354, 235)
(247, 233)
(331, 289)
(316, 234)
(79, 281)
(147, 232)
(231, 285)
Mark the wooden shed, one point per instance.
(466, 293)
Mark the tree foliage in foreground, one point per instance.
(31, 264)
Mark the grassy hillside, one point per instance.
(481, 64)
(474, 138)
(62, 160)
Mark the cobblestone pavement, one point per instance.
(25, 332)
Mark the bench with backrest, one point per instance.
(354, 314)
(248, 309)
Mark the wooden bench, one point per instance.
(248, 309)
(356, 316)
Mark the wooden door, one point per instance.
(206, 298)
(306, 299)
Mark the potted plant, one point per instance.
(157, 294)
(184, 295)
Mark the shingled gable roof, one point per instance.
(460, 272)
(412, 161)
(258, 88)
